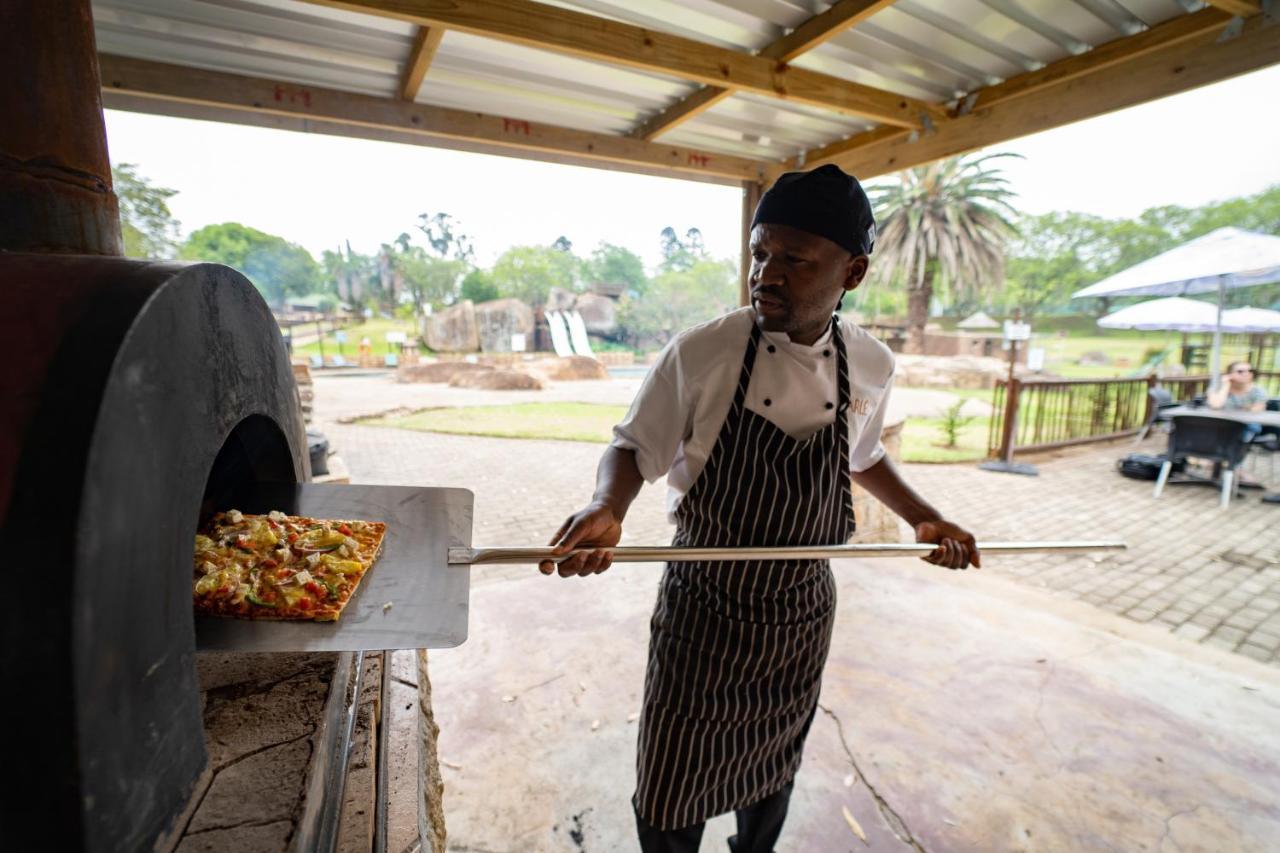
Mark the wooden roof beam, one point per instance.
(589, 37)
(425, 44)
(366, 115)
(1239, 8)
(1190, 56)
(845, 14)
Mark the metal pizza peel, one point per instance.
(416, 594)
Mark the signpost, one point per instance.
(1014, 331)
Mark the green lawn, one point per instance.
(375, 330)
(594, 423)
(563, 421)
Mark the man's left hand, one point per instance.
(956, 549)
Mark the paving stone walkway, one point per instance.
(1210, 577)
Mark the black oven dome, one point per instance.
(137, 376)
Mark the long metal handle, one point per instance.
(655, 554)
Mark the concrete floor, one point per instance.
(960, 711)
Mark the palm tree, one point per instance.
(950, 217)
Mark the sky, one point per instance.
(1207, 144)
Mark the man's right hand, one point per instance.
(596, 525)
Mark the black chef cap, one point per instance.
(826, 202)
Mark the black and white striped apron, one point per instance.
(736, 650)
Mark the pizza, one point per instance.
(278, 566)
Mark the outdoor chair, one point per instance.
(1158, 400)
(1267, 441)
(1220, 441)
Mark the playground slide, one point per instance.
(559, 334)
(578, 334)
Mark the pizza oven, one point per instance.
(137, 398)
(134, 397)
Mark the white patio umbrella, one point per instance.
(981, 320)
(1220, 260)
(1173, 313)
(1253, 321)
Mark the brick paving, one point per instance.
(1207, 576)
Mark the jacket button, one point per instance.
(768, 402)
(831, 405)
(772, 348)
(826, 353)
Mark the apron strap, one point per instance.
(842, 408)
(744, 375)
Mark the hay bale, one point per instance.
(436, 371)
(496, 380)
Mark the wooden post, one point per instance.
(1009, 434)
(751, 192)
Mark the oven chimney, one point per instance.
(55, 176)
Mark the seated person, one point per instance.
(1238, 393)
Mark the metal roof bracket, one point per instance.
(1233, 30)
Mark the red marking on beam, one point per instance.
(515, 125)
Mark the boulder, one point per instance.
(559, 299)
(599, 313)
(568, 369)
(453, 329)
(499, 319)
(436, 371)
(497, 380)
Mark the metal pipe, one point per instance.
(658, 554)
(319, 823)
(55, 176)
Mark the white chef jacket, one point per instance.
(676, 417)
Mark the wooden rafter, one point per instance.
(1078, 92)
(1242, 8)
(232, 94)
(589, 37)
(425, 44)
(844, 15)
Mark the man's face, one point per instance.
(797, 278)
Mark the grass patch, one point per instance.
(374, 329)
(921, 438)
(558, 421)
(594, 423)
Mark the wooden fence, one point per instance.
(1051, 413)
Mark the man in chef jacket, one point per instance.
(759, 420)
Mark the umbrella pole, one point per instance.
(1215, 359)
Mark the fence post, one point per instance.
(1010, 426)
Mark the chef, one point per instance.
(759, 420)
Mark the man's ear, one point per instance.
(856, 271)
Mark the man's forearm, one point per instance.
(887, 486)
(618, 480)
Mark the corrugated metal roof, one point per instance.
(931, 50)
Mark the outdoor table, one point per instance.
(1263, 418)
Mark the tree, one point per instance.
(563, 244)
(612, 264)
(948, 218)
(147, 225)
(681, 254)
(445, 237)
(677, 299)
(478, 286)
(349, 274)
(276, 267)
(529, 272)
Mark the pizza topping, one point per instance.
(277, 516)
(313, 560)
(235, 516)
(253, 599)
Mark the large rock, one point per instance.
(453, 329)
(497, 380)
(559, 299)
(499, 319)
(436, 371)
(599, 313)
(570, 368)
